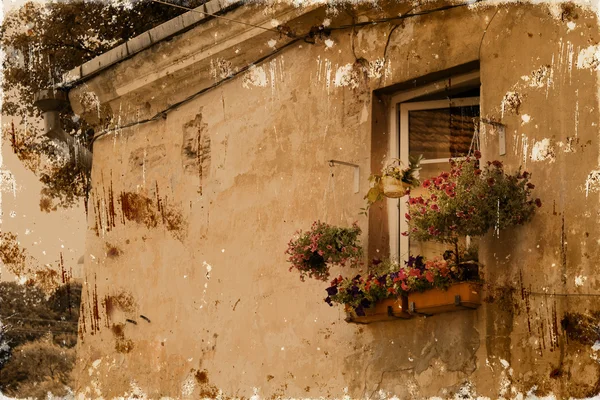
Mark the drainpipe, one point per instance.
(51, 102)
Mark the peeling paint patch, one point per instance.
(375, 68)
(543, 151)
(344, 76)
(256, 76)
(511, 103)
(525, 118)
(220, 69)
(589, 58)
(580, 280)
(329, 43)
(592, 183)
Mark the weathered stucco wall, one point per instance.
(188, 291)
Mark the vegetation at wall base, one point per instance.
(38, 334)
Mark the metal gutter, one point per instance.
(162, 32)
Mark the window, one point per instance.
(440, 124)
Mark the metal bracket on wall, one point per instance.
(501, 129)
(356, 171)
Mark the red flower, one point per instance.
(407, 216)
(391, 290)
(530, 185)
(433, 197)
(435, 207)
(497, 164)
(450, 191)
(525, 174)
(538, 202)
(491, 181)
(405, 233)
(477, 172)
(426, 183)
(477, 154)
(438, 181)
(445, 175)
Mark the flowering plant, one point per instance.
(470, 200)
(407, 176)
(390, 280)
(315, 251)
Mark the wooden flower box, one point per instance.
(384, 310)
(464, 295)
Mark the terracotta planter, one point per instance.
(464, 295)
(383, 310)
(393, 187)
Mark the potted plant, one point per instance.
(394, 181)
(385, 293)
(314, 252)
(469, 201)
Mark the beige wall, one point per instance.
(195, 242)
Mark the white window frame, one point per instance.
(398, 122)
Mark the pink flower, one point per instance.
(414, 272)
(429, 276)
(404, 286)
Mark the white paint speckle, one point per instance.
(589, 58)
(272, 43)
(329, 43)
(579, 280)
(570, 26)
(543, 151)
(344, 76)
(525, 118)
(256, 76)
(592, 183)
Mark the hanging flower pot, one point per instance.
(394, 187)
(394, 181)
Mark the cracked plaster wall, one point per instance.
(220, 185)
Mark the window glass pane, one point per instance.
(443, 132)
